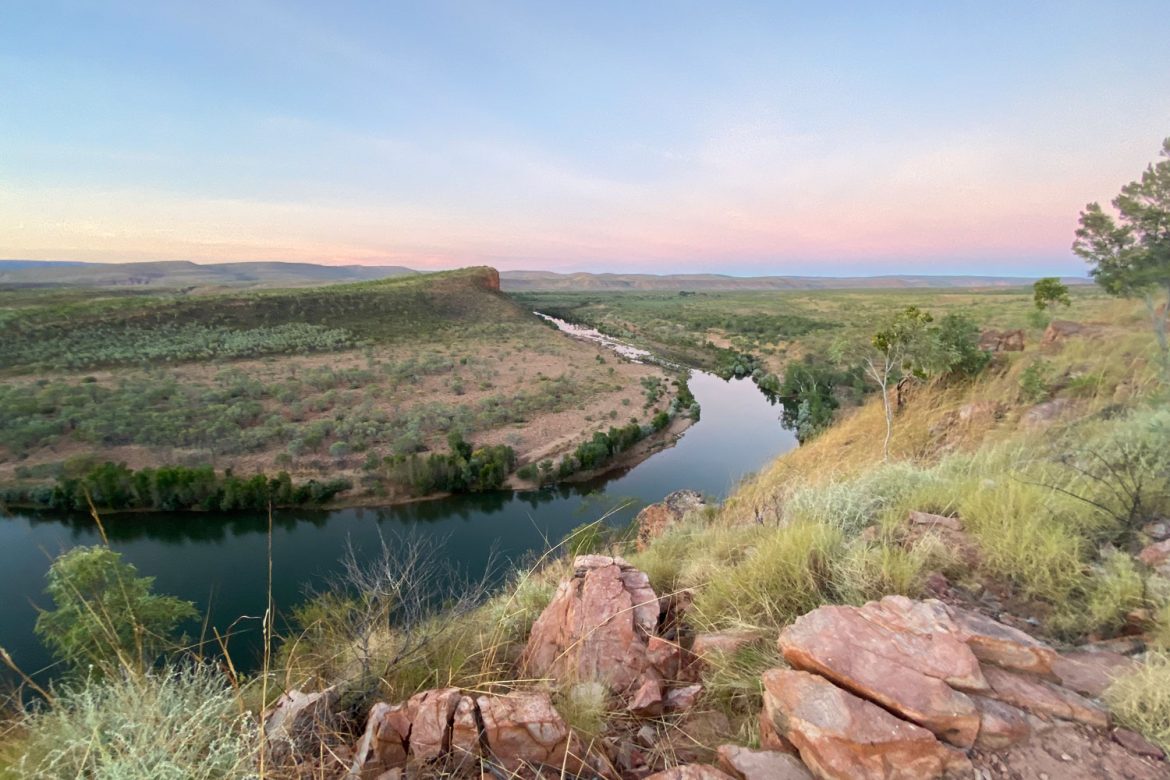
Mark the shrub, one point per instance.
(182, 723)
(105, 616)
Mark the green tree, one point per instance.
(105, 615)
(902, 346)
(1130, 253)
(1048, 292)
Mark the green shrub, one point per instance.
(105, 616)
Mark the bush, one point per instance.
(184, 723)
(105, 616)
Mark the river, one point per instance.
(218, 561)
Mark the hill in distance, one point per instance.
(180, 273)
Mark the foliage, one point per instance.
(1048, 292)
(1141, 700)
(462, 470)
(809, 394)
(182, 723)
(1131, 254)
(105, 617)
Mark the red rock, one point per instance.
(994, 643)
(656, 518)
(744, 764)
(1000, 724)
(596, 627)
(723, 643)
(941, 521)
(1136, 743)
(522, 730)
(292, 724)
(1157, 556)
(682, 699)
(430, 732)
(770, 739)
(690, 772)
(878, 652)
(465, 729)
(384, 743)
(665, 656)
(1041, 698)
(1001, 341)
(647, 700)
(843, 737)
(1090, 673)
(1058, 330)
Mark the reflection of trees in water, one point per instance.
(176, 527)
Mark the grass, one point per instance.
(1141, 700)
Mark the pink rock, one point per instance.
(1157, 556)
(647, 700)
(1041, 698)
(994, 643)
(1090, 673)
(597, 626)
(1136, 743)
(665, 656)
(843, 737)
(1000, 725)
(465, 741)
(744, 764)
(384, 743)
(655, 519)
(433, 711)
(682, 699)
(523, 730)
(883, 652)
(724, 642)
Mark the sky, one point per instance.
(825, 138)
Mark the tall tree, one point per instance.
(1130, 253)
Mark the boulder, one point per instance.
(1043, 699)
(1001, 340)
(385, 742)
(665, 656)
(292, 724)
(647, 700)
(682, 699)
(994, 643)
(524, 730)
(843, 737)
(465, 736)
(746, 764)
(432, 713)
(903, 655)
(597, 627)
(655, 519)
(1089, 673)
(1045, 413)
(1059, 330)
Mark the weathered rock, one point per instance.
(1157, 557)
(665, 656)
(770, 738)
(291, 725)
(596, 627)
(1001, 340)
(745, 764)
(1090, 673)
(522, 730)
(656, 518)
(465, 737)
(1045, 413)
(1059, 330)
(1041, 698)
(1000, 724)
(939, 521)
(723, 642)
(1136, 743)
(843, 737)
(385, 742)
(432, 713)
(993, 642)
(682, 699)
(1159, 530)
(894, 653)
(690, 772)
(647, 700)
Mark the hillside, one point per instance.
(358, 382)
(179, 273)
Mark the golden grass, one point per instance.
(1141, 700)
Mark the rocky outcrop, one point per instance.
(1059, 330)
(293, 725)
(653, 521)
(745, 764)
(1001, 341)
(597, 627)
(844, 737)
(524, 730)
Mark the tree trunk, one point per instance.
(889, 421)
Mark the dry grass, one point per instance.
(1141, 700)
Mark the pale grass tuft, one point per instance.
(1141, 700)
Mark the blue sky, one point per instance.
(833, 138)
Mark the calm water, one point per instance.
(219, 561)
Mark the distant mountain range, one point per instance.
(179, 273)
